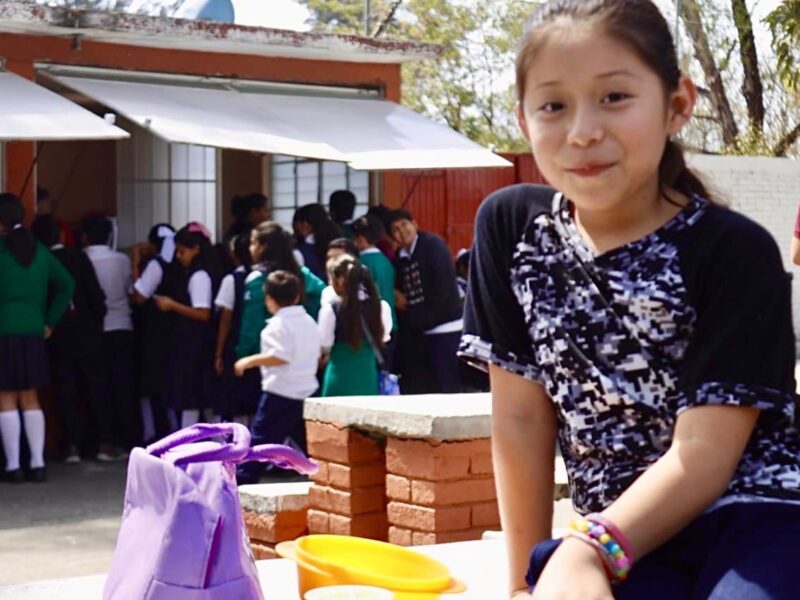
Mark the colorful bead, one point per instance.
(604, 538)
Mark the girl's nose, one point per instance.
(585, 129)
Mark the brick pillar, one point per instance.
(348, 496)
(439, 491)
(273, 513)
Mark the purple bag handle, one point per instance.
(236, 451)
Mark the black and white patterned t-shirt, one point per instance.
(696, 313)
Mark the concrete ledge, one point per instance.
(442, 417)
(274, 498)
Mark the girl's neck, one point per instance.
(631, 220)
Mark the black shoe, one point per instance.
(15, 476)
(37, 475)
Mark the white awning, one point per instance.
(370, 133)
(31, 112)
(376, 134)
(198, 115)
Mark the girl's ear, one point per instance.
(523, 125)
(681, 105)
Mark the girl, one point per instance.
(189, 359)
(239, 396)
(247, 211)
(154, 275)
(271, 249)
(352, 330)
(314, 230)
(29, 273)
(640, 324)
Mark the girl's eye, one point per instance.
(614, 97)
(551, 107)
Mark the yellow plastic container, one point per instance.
(340, 560)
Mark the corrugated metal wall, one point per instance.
(445, 201)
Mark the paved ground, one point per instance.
(68, 526)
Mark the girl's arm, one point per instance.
(523, 450)
(167, 304)
(257, 360)
(795, 250)
(223, 331)
(706, 448)
(327, 328)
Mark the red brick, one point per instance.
(434, 461)
(421, 538)
(398, 488)
(372, 525)
(400, 536)
(481, 464)
(263, 551)
(275, 528)
(486, 514)
(428, 519)
(444, 493)
(344, 446)
(318, 521)
(352, 502)
(321, 476)
(354, 476)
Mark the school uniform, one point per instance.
(188, 380)
(237, 395)
(697, 313)
(427, 278)
(349, 372)
(113, 271)
(291, 335)
(75, 348)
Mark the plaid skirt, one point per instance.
(23, 362)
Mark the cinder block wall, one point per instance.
(765, 189)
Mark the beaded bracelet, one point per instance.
(609, 541)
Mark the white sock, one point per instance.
(10, 430)
(148, 422)
(189, 417)
(34, 431)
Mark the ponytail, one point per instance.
(674, 173)
(361, 303)
(21, 243)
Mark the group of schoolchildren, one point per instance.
(313, 311)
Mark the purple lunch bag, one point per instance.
(182, 535)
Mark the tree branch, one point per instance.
(386, 21)
(690, 14)
(787, 141)
(752, 87)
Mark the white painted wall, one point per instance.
(765, 189)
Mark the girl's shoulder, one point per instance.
(504, 215)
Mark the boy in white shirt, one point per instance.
(289, 359)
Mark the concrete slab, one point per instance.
(273, 498)
(444, 417)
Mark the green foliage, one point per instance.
(784, 23)
(468, 86)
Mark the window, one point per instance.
(159, 182)
(299, 181)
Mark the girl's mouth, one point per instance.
(590, 169)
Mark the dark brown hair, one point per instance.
(283, 287)
(21, 243)
(638, 23)
(356, 309)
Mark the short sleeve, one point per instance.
(328, 295)
(200, 290)
(150, 279)
(226, 297)
(494, 323)
(327, 326)
(386, 320)
(741, 351)
(276, 340)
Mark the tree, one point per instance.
(765, 118)
(469, 86)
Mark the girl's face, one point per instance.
(597, 118)
(338, 284)
(255, 248)
(186, 254)
(258, 214)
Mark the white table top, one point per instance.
(480, 564)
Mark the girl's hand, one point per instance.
(219, 366)
(48, 331)
(164, 303)
(574, 572)
(240, 367)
